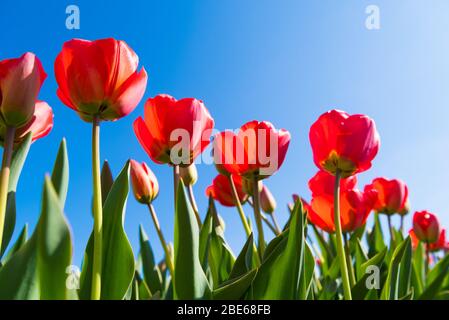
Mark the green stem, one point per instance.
(242, 215)
(168, 258)
(258, 216)
(339, 236)
(427, 258)
(275, 223)
(402, 224)
(175, 182)
(390, 227)
(4, 176)
(194, 205)
(98, 211)
(270, 225)
(349, 261)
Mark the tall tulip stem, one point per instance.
(194, 205)
(168, 258)
(340, 245)
(4, 176)
(242, 215)
(175, 182)
(98, 212)
(258, 216)
(390, 227)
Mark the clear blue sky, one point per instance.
(282, 61)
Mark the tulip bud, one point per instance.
(267, 201)
(426, 226)
(189, 175)
(144, 182)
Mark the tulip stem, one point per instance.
(242, 215)
(175, 181)
(239, 207)
(349, 261)
(194, 205)
(275, 223)
(258, 216)
(390, 227)
(427, 257)
(338, 233)
(402, 224)
(168, 258)
(97, 210)
(270, 225)
(4, 176)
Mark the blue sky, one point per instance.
(282, 61)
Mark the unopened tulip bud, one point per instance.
(426, 226)
(267, 201)
(144, 182)
(189, 175)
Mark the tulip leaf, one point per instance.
(190, 282)
(18, 160)
(21, 240)
(54, 245)
(435, 279)
(204, 238)
(360, 258)
(107, 180)
(243, 263)
(221, 258)
(118, 263)
(151, 272)
(305, 281)
(390, 290)
(279, 275)
(235, 288)
(60, 174)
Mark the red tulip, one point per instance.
(99, 78)
(174, 125)
(324, 183)
(392, 195)
(40, 124)
(144, 182)
(440, 244)
(258, 149)
(355, 205)
(20, 82)
(221, 190)
(426, 226)
(344, 142)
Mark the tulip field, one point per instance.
(339, 242)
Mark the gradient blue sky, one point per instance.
(282, 61)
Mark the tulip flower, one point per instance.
(256, 152)
(174, 131)
(221, 190)
(99, 80)
(440, 244)
(20, 82)
(144, 182)
(392, 195)
(323, 183)
(344, 143)
(146, 188)
(426, 226)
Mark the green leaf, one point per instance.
(118, 258)
(418, 272)
(17, 162)
(278, 276)
(151, 272)
(221, 258)
(405, 271)
(190, 282)
(107, 180)
(243, 263)
(360, 258)
(435, 279)
(21, 240)
(236, 288)
(305, 281)
(54, 245)
(204, 239)
(390, 290)
(375, 238)
(60, 174)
